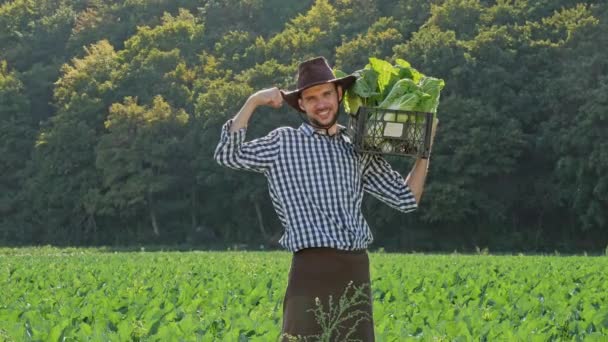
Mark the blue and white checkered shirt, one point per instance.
(316, 183)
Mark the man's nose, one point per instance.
(321, 104)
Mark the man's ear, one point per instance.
(300, 105)
(339, 89)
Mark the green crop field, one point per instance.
(53, 294)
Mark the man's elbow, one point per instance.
(408, 205)
(417, 197)
(220, 156)
(415, 194)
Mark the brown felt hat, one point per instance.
(311, 73)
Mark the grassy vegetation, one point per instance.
(72, 294)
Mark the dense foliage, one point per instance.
(110, 111)
(56, 295)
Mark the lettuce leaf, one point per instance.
(352, 102)
(400, 90)
(406, 71)
(387, 75)
(431, 86)
(367, 84)
(400, 87)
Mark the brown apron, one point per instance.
(321, 273)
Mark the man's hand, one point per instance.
(267, 97)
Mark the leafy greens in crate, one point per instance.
(396, 87)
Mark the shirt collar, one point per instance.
(307, 129)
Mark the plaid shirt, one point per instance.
(316, 183)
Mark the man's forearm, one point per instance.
(417, 177)
(242, 117)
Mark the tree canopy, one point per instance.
(110, 112)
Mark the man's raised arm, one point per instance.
(268, 97)
(256, 155)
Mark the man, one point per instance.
(316, 182)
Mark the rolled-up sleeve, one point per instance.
(386, 184)
(256, 155)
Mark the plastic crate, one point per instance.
(391, 132)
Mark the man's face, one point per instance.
(321, 103)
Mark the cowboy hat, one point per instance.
(313, 72)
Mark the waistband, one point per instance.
(330, 250)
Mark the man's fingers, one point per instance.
(276, 103)
(269, 97)
(277, 99)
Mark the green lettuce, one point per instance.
(431, 86)
(387, 75)
(400, 87)
(405, 95)
(406, 71)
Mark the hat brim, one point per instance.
(291, 97)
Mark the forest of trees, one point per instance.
(110, 112)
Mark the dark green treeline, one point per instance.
(110, 112)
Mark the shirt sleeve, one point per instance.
(386, 184)
(256, 155)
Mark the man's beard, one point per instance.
(315, 123)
